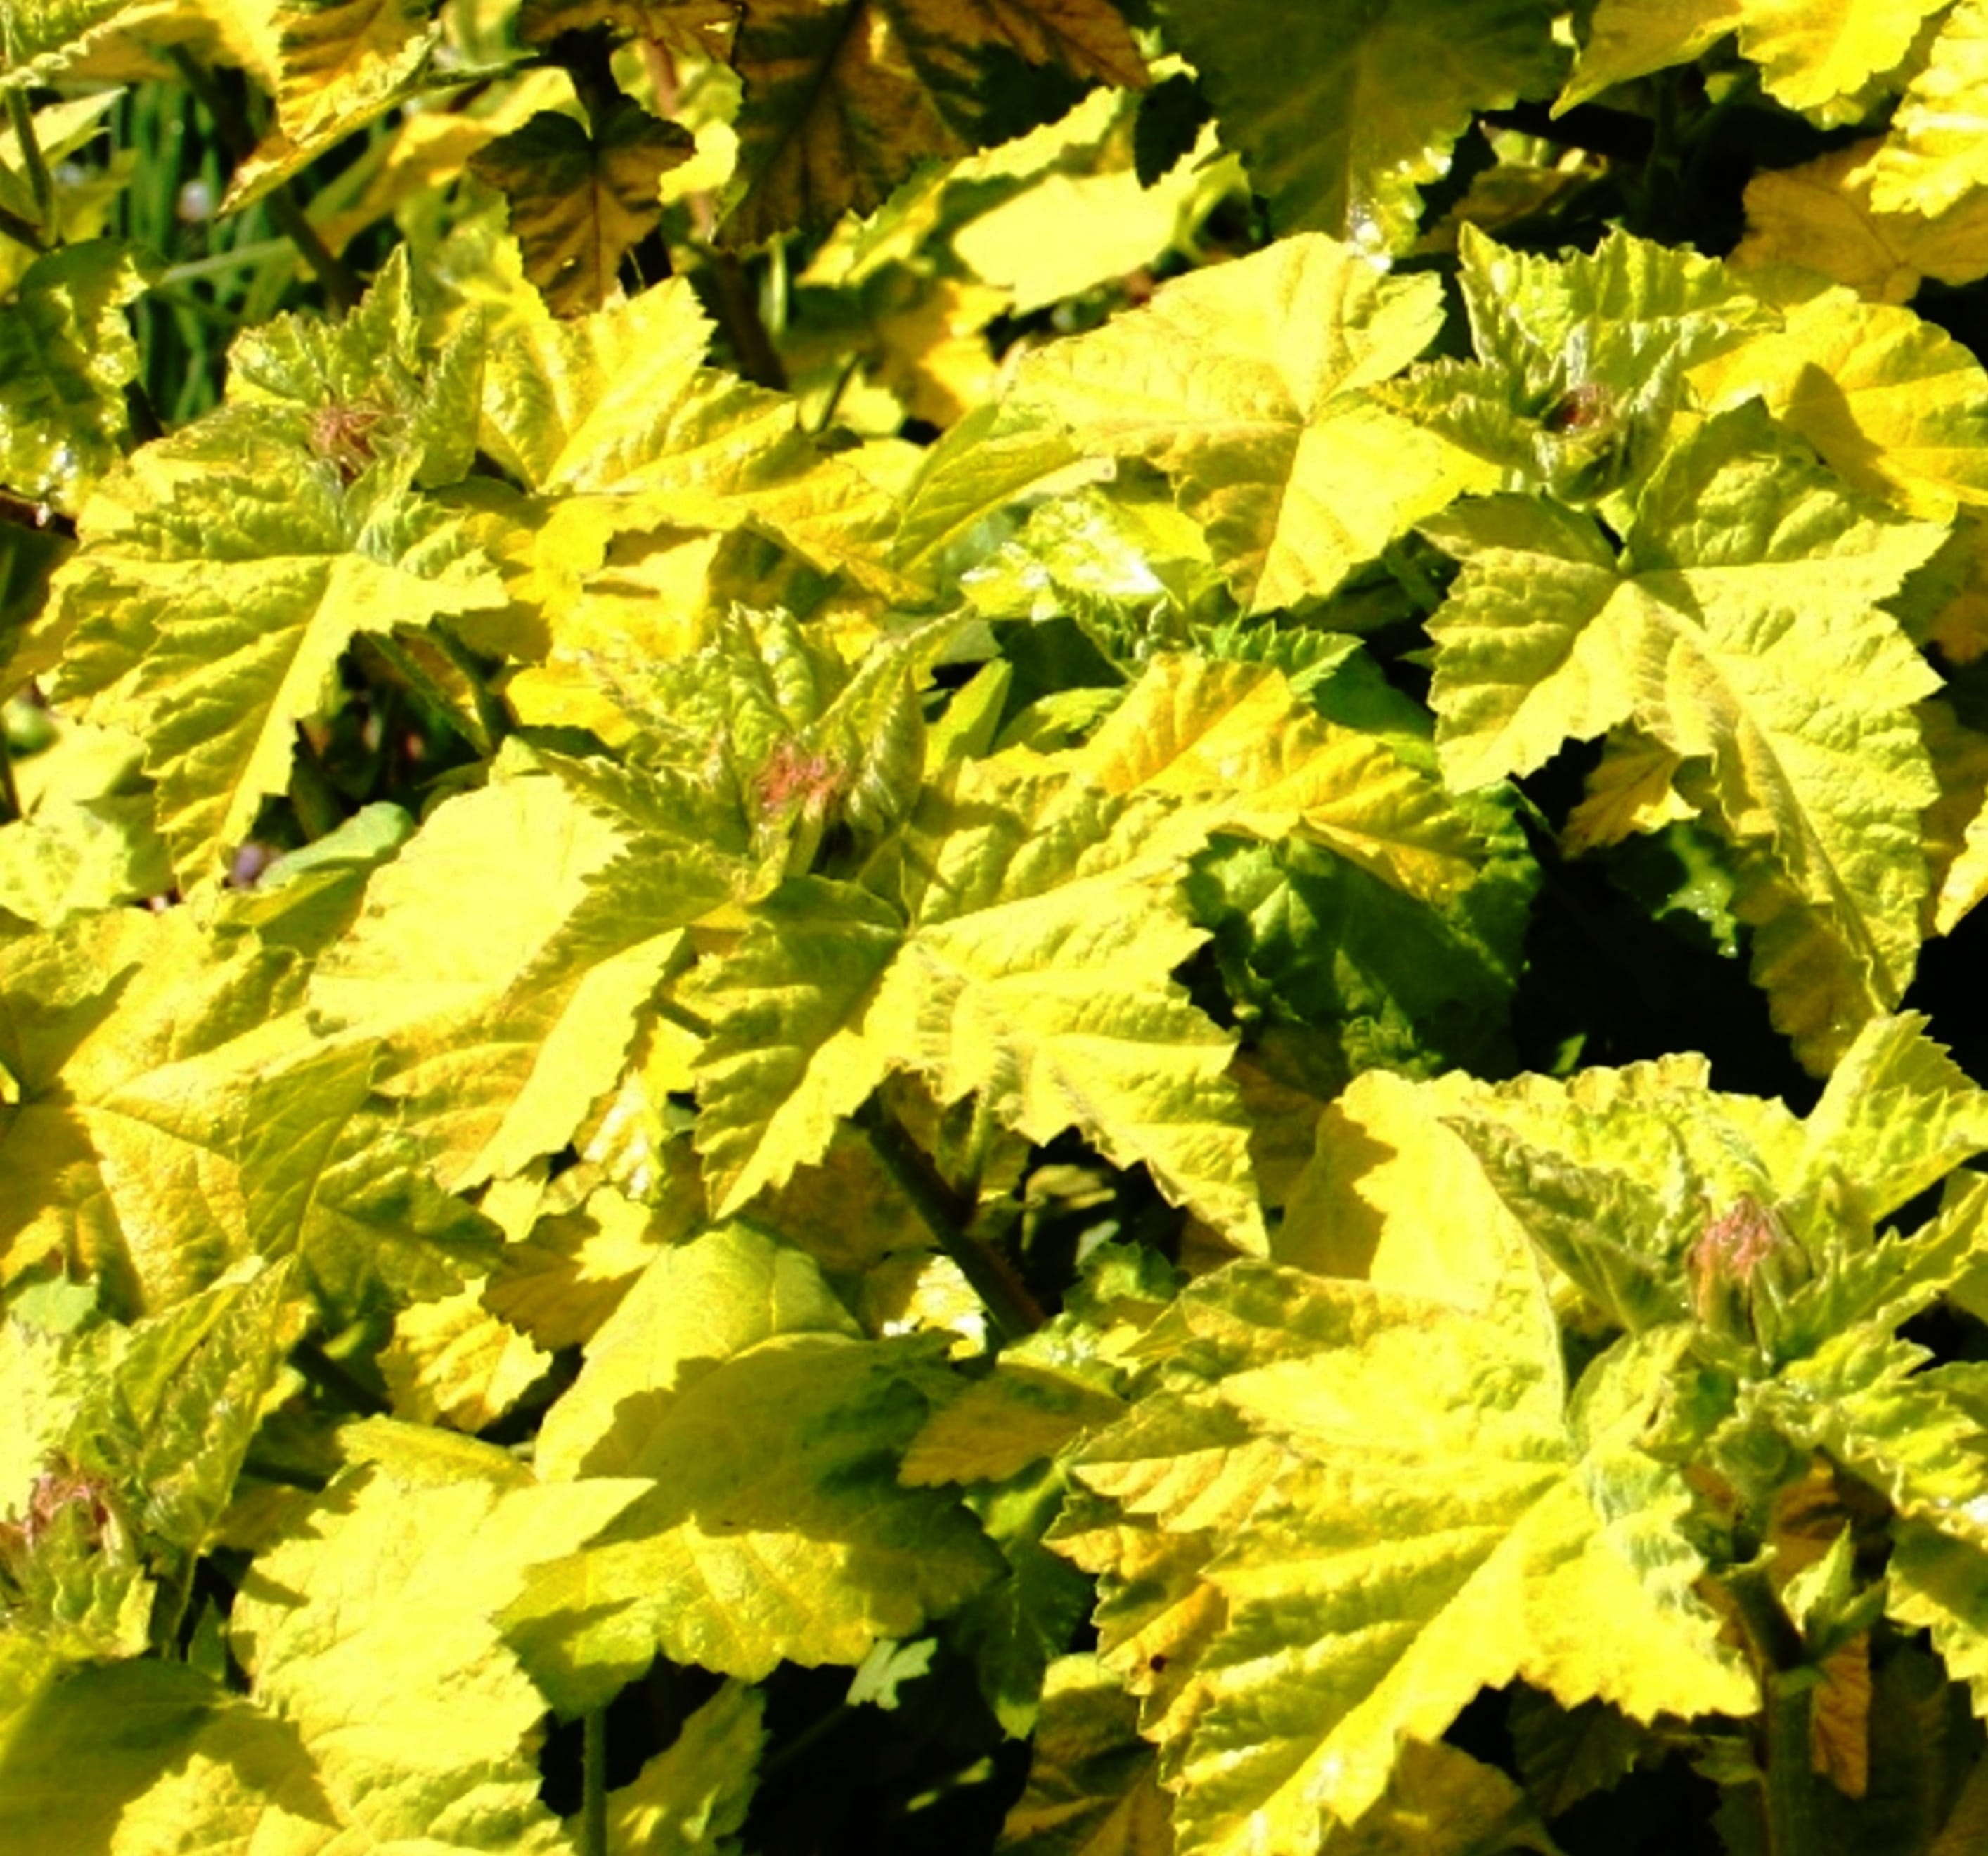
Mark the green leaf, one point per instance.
(66, 356)
(1248, 384)
(366, 387)
(1334, 138)
(843, 100)
(578, 205)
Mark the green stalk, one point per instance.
(593, 1779)
(1792, 1814)
(10, 792)
(1012, 1309)
(21, 119)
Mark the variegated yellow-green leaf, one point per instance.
(1894, 404)
(1233, 741)
(1932, 159)
(1629, 39)
(1817, 55)
(690, 1799)
(616, 405)
(44, 36)
(211, 600)
(1248, 385)
(340, 65)
(1333, 138)
(775, 1527)
(1577, 381)
(1703, 645)
(131, 1044)
(1094, 1785)
(1529, 1508)
(1033, 973)
(500, 1041)
(579, 201)
(65, 357)
(328, 1175)
(843, 99)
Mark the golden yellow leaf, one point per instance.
(1821, 216)
(1629, 791)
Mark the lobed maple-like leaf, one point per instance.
(1890, 401)
(1038, 927)
(218, 584)
(579, 200)
(1381, 1419)
(131, 1044)
(1248, 384)
(844, 99)
(1821, 216)
(773, 1526)
(614, 412)
(1315, 101)
(1694, 634)
(1932, 158)
(1818, 55)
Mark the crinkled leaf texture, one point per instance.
(1025, 953)
(1342, 1509)
(1249, 385)
(771, 1525)
(384, 1709)
(1748, 582)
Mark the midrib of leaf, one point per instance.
(798, 119)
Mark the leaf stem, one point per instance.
(340, 286)
(1792, 1817)
(10, 791)
(737, 305)
(1013, 1310)
(593, 1783)
(21, 120)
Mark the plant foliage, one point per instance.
(1024, 924)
